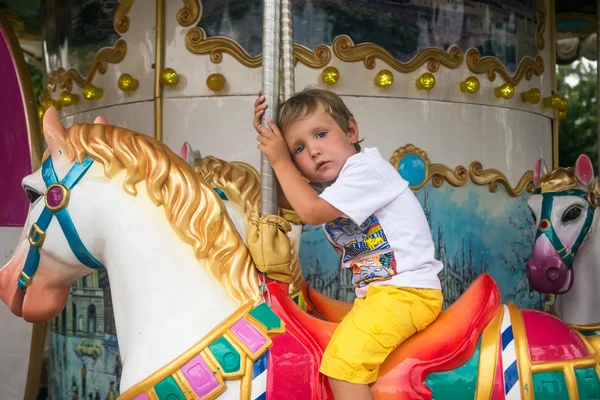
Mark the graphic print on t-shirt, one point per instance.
(376, 268)
(354, 240)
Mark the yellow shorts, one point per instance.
(375, 326)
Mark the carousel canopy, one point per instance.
(575, 27)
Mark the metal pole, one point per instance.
(598, 75)
(287, 48)
(270, 70)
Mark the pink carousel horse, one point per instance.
(566, 252)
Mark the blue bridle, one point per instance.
(56, 200)
(545, 226)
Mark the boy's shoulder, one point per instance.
(372, 161)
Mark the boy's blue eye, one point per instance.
(321, 134)
(300, 148)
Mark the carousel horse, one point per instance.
(238, 185)
(566, 250)
(196, 321)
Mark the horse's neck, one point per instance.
(581, 305)
(164, 300)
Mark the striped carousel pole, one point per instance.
(270, 72)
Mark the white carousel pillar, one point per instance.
(270, 72)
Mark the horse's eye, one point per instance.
(32, 194)
(571, 214)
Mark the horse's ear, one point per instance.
(55, 134)
(537, 173)
(188, 154)
(584, 171)
(100, 120)
(185, 149)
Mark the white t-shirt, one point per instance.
(383, 235)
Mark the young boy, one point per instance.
(372, 219)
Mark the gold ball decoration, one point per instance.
(169, 77)
(330, 75)
(127, 83)
(91, 92)
(553, 101)
(506, 91)
(384, 78)
(470, 85)
(558, 103)
(215, 82)
(532, 96)
(41, 112)
(68, 99)
(426, 81)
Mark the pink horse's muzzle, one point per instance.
(546, 271)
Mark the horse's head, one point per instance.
(563, 203)
(59, 238)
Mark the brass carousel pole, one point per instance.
(270, 72)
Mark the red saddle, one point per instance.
(445, 345)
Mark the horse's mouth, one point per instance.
(10, 294)
(44, 298)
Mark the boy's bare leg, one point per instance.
(343, 390)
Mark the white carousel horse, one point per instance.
(566, 252)
(189, 305)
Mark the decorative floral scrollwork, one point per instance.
(541, 25)
(493, 177)
(190, 13)
(197, 42)
(438, 173)
(368, 53)
(121, 20)
(64, 79)
(527, 67)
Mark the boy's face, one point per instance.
(319, 147)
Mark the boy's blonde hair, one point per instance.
(304, 103)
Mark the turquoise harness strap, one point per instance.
(57, 199)
(545, 226)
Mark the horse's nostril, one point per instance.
(553, 273)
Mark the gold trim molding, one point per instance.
(541, 25)
(528, 67)
(345, 49)
(121, 20)
(438, 173)
(197, 42)
(188, 14)
(493, 177)
(63, 79)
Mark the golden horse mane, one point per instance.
(241, 184)
(192, 207)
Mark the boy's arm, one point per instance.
(299, 195)
(282, 200)
(302, 198)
